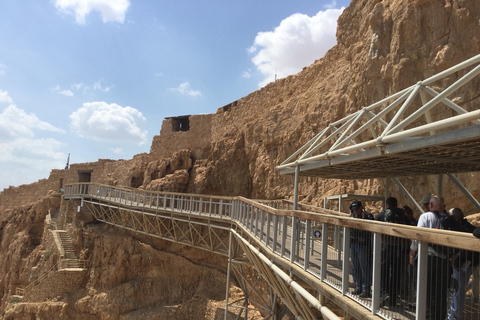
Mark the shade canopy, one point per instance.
(432, 127)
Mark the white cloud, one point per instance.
(246, 74)
(331, 5)
(186, 89)
(24, 157)
(105, 122)
(4, 97)
(83, 88)
(110, 10)
(15, 123)
(66, 93)
(98, 86)
(297, 42)
(117, 151)
(77, 86)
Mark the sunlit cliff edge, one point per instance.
(383, 47)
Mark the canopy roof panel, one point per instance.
(421, 130)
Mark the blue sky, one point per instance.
(96, 78)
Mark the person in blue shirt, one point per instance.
(361, 253)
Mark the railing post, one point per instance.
(267, 232)
(308, 230)
(220, 209)
(284, 235)
(256, 221)
(324, 252)
(377, 271)
(252, 217)
(262, 225)
(346, 261)
(275, 233)
(422, 276)
(293, 239)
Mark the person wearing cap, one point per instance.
(425, 202)
(361, 252)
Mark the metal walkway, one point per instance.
(292, 252)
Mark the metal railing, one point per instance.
(302, 242)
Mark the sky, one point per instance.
(94, 79)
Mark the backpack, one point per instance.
(396, 215)
(446, 222)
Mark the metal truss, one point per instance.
(252, 284)
(401, 134)
(278, 284)
(200, 233)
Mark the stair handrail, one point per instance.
(36, 281)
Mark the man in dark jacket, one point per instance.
(395, 252)
(361, 252)
(463, 262)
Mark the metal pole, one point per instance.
(308, 237)
(415, 203)
(422, 276)
(440, 185)
(387, 188)
(464, 190)
(228, 273)
(295, 188)
(324, 252)
(346, 261)
(377, 271)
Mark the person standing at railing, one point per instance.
(410, 281)
(463, 263)
(438, 265)
(361, 252)
(394, 253)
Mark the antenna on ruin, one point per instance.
(275, 74)
(68, 162)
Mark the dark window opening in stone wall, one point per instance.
(180, 124)
(84, 175)
(136, 182)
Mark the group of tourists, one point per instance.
(447, 267)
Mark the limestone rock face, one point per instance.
(383, 47)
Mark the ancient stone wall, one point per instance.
(56, 284)
(197, 137)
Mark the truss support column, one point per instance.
(295, 188)
(409, 196)
(464, 190)
(387, 188)
(440, 185)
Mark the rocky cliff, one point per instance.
(383, 47)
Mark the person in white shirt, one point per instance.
(438, 264)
